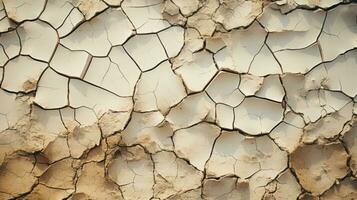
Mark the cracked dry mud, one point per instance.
(178, 99)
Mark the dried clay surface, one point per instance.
(178, 100)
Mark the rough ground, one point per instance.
(178, 99)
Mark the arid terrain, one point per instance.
(178, 100)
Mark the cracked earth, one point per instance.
(178, 99)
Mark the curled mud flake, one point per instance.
(37, 34)
(329, 126)
(346, 189)
(191, 194)
(149, 130)
(299, 61)
(48, 120)
(52, 90)
(98, 153)
(320, 4)
(3, 58)
(193, 109)
(337, 75)
(68, 117)
(57, 149)
(197, 73)
(116, 73)
(30, 134)
(271, 89)
(305, 96)
(275, 22)
(11, 44)
(56, 12)
(171, 12)
(112, 122)
(5, 23)
(308, 196)
(224, 116)
(102, 189)
(319, 166)
(195, 143)
(60, 175)
(236, 14)
(149, 53)
(91, 7)
(242, 47)
(264, 63)
(99, 34)
(257, 116)
(256, 160)
(202, 20)
(208, 16)
(126, 67)
(193, 43)
(158, 89)
(71, 22)
(84, 94)
(17, 177)
(215, 43)
(289, 132)
(250, 84)
(132, 169)
(235, 154)
(82, 139)
(114, 2)
(173, 175)
(76, 66)
(224, 89)
(350, 140)
(225, 188)
(297, 30)
(172, 46)
(187, 8)
(12, 109)
(145, 15)
(44, 192)
(284, 187)
(84, 116)
(21, 10)
(338, 34)
(20, 71)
